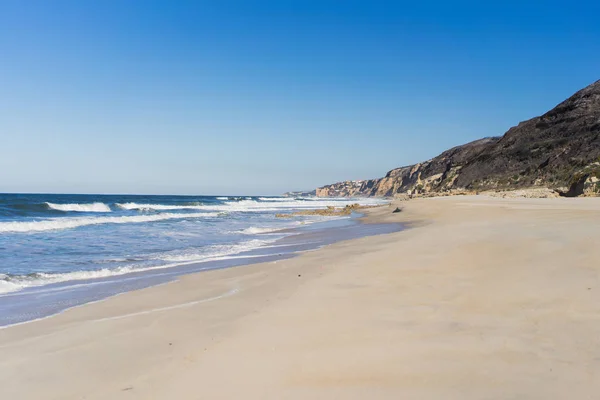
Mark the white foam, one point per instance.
(251, 205)
(172, 259)
(91, 207)
(211, 253)
(157, 207)
(290, 204)
(42, 278)
(263, 204)
(254, 230)
(69, 223)
(275, 198)
(6, 286)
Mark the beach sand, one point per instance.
(482, 298)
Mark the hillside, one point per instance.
(559, 150)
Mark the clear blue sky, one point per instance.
(250, 97)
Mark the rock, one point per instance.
(397, 210)
(591, 186)
(342, 189)
(576, 187)
(329, 211)
(402, 196)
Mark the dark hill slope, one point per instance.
(559, 150)
(551, 148)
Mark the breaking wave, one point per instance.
(288, 199)
(281, 203)
(211, 253)
(250, 205)
(254, 230)
(158, 207)
(12, 283)
(92, 207)
(70, 223)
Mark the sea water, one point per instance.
(59, 250)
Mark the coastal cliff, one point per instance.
(559, 150)
(342, 189)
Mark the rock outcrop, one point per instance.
(559, 150)
(330, 211)
(342, 189)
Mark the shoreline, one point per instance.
(483, 298)
(300, 239)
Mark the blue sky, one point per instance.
(261, 97)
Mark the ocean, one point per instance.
(62, 250)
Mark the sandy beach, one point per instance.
(482, 298)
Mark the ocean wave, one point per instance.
(290, 204)
(13, 283)
(276, 199)
(159, 207)
(70, 223)
(245, 205)
(7, 287)
(211, 253)
(254, 230)
(91, 207)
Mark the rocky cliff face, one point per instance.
(342, 189)
(558, 150)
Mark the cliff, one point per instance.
(342, 189)
(559, 150)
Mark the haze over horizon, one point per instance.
(263, 97)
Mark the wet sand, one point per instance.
(483, 298)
